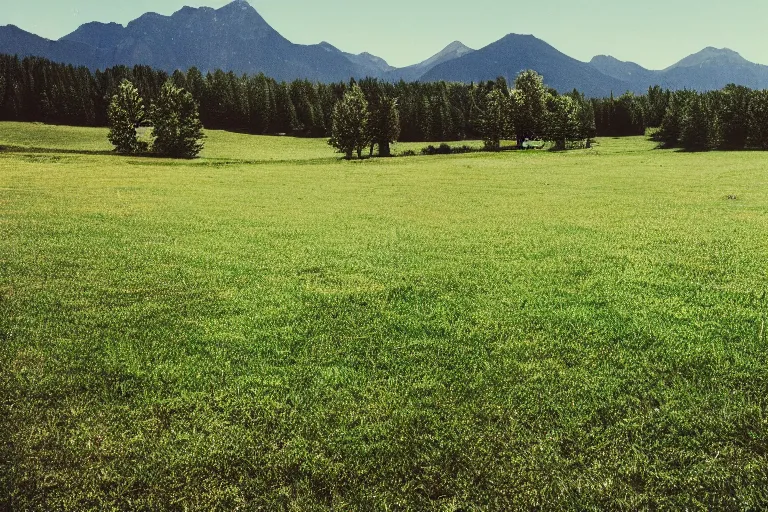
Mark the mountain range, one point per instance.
(236, 38)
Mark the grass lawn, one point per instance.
(268, 327)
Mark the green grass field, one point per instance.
(268, 327)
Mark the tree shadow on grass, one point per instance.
(60, 151)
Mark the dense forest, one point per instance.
(35, 89)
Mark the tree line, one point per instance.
(34, 89)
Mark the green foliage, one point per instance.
(586, 120)
(758, 120)
(671, 125)
(40, 90)
(177, 128)
(350, 123)
(563, 125)
(734, 116)
(529, 106)
(495, 122)
(384, 124)
(446, 149)
(655, 106)
(699, 127)
(126, 110)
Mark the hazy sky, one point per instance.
(653, 33)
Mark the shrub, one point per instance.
(442, 149)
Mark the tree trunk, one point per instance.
(373, 144)
(384, 149)
(348, 156)
(359, 153)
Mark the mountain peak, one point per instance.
(242, 5)
(711, 56)
(519, 37)
(457, 46)
(454, 50)
(603, 58)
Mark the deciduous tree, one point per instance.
(177, 128)
(529, 106)
(126, 110)
(563, 122)
(350, 123)
(384, 125)
(495, 121)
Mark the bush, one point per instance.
(408, 152)
(443, 149)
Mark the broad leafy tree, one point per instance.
(495, 121)
(126, 110)
(529, 106)
(177, 128)
(350, 123)
(384, 125)
(563, 122)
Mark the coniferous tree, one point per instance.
(699, 127)
(350, 123)
(195, 84)
(734, 116)
(286, 120)
(126, 110)
(671, 125)
(177, 128)
(655, 106)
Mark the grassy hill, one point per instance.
(270, 327)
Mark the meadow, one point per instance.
(268, 327)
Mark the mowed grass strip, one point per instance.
(268, 327)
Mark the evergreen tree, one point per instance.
(655, 106)
(699, 127)
(177, 128)
(260, 103)
(733, 112)
(125, 111)
(671, 125)
(495, 119)
(350, 123)
(286, 120)
(195, 84)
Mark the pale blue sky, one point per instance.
(653, 33)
